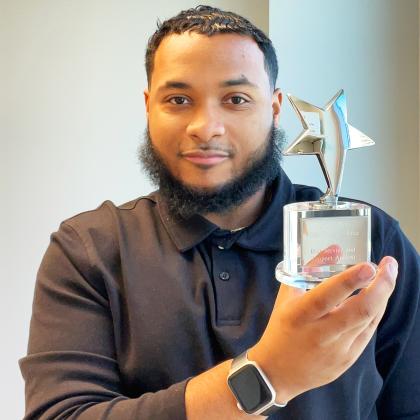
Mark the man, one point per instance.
(140, 309)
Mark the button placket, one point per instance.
(226, 278)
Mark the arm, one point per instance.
(398, 338)
(71, 369)
(334, 325)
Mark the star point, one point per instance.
(326, 134)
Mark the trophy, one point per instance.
(325, 237)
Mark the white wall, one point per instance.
(371, 49)
(71, 117)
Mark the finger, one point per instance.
(359, 310)
(353, 345)
(363, 338)
(388, 260)
(347, 332)
(328, 255)
(367, 331)
(319, 301)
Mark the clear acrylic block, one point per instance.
(321, 240)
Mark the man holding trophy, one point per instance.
(167, 307)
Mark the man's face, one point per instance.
(210, 107)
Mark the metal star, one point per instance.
(327, 135)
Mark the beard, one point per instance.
(184, 201)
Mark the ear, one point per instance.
(276, 104)
(146, 100)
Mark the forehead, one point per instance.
(194, 57)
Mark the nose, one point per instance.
(206, 124)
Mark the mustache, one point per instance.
(212, 147)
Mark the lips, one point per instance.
(205, 157)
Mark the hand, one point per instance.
(312, 338)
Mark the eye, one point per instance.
(178, 100)
(237, 100)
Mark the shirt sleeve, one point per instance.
(71, 369)
(398, 338)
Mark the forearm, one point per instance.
(207, 396)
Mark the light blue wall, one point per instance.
(371, 49)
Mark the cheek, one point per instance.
(165, 135)
(251, 137)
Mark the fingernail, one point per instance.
(392, 268)
(367, 272)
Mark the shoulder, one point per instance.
(101, 231)
(306, 192)
(104, 215)
(107, 217)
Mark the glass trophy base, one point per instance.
(308, 279)
(322, 240)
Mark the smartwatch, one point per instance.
(251, 388)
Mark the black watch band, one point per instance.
(273, 409)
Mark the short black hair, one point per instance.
(207, 20)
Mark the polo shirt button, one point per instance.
(220, 247)
(224, 275)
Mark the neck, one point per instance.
(241, 216)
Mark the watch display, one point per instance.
(250, 389)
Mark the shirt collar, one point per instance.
(266, 234)
(185, 233)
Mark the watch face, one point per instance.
(249, 388)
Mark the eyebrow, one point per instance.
(173, 84)
(237, 82)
